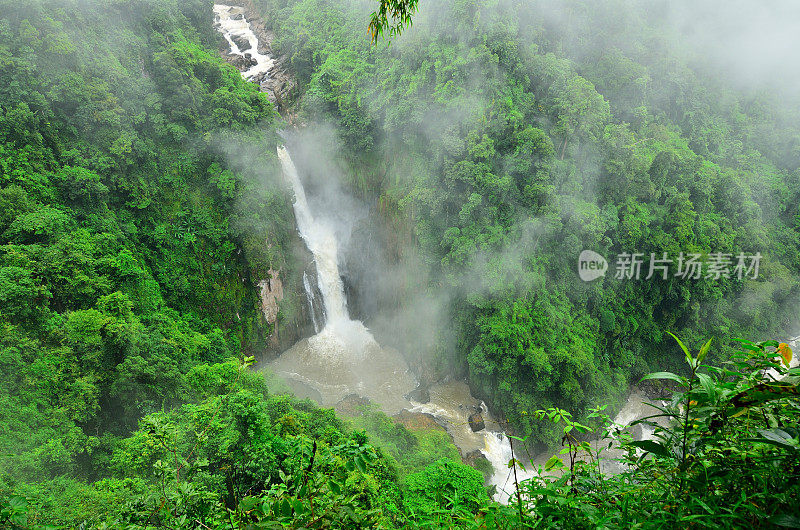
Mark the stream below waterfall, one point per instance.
(343, 358)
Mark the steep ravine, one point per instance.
(343, 358)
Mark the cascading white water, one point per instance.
(331, 364)
(498, 449)
(343, 358)
(232, 23)
(321, 241)
(386, 379)
(343, 339)
(498, 453)
(340, 335)
(451, 404)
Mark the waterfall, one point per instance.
(321, 241)
(340, 336)
(331, 364)
(498, 453)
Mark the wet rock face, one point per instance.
(655, 390)
(271, 290)
(362, 266)
(278, 84)
(242, 43)
(476, 422)
(313, 308)
(637, 432)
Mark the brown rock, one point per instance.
(242, 43)
(417, 421)
(271, 294)
(476, 422)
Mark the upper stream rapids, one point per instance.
(343, 357)
(243, 42)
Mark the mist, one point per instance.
(401, 289)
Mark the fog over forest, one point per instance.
(399, 264)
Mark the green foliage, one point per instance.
(121, 265)
(237, 456)
(412, 450)
(133, 226)
(724, 455)
(445, 485)
(392, 16)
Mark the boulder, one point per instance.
(417, 421)
(242, 63)
(476, 422)
(242, 43)
(474, 457)
(636, 431)
(419, 394)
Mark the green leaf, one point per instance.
(298, 507)
(665, 375)
(778, 437)
(747, 345)
(18, 502)
(552, 463)
(704, 351)
(335, 487)
(684, 348)
(360, 464)
(515, 462)
(651, 447)
(785, 520)
(708, 386)
(302, 491)
(285, 508)
(248, 503)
